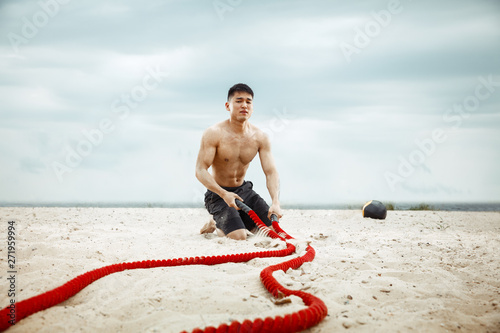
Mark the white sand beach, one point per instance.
(420, 271)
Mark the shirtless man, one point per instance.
(229, 147)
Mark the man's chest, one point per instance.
(237, 149)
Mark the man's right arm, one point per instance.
(206, 156)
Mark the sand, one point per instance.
(422, 271)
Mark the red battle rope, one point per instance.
(314, 312)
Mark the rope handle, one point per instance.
(247, 209)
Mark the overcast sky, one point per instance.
(106, 101)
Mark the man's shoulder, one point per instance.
(259, 134)
(214, 132)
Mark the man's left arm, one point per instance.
(272, 176)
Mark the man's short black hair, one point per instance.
(239, 87)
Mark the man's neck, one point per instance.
(238, 126)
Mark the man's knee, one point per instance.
(239, 234)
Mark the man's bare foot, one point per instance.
(208, 228)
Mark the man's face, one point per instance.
(240, 106)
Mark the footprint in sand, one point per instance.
(319, 236)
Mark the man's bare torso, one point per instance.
(234, 152)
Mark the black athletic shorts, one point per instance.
(229, 219)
